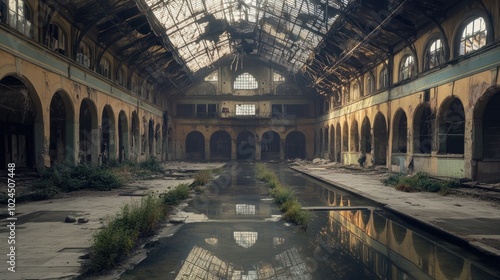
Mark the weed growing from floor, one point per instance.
(174, 196)
(420, 182)
(202, 177)
(152, 164)
(69, 178)
(124, 231)
(284, 197)
(116, 241)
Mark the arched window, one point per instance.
(245, 81)
(56, 39)
(370, 84)
(473, 36)
(355, 91)
(452, 127)
(105, 68)
(120, 78)
(19, 17)
(407, 68)
(434, 54)
(84, 55)
(384, 78)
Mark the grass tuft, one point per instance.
(420, 182)
(152, 164)
(174, 196)
(202, 177)
(124, 231)
(284, 197)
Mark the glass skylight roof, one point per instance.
(283, 32)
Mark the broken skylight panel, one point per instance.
(283, 32)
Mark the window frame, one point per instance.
(384, 77)
(84, 55)
(370, 84)
(406, 72)
(55, 42)
(463, 28)
(439, 57)
(102, 68)
(22, 23)
(245, 110)
(245, 81)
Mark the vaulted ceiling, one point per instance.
(321, 43)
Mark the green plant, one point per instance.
(392, 179)
(420, 182)
(152, 164)
(202, 177)
(284, 197)
(116, 241)
(67, 178)
(173, 197)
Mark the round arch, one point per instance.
(88, 137)
(486, 135)
(451, 126)
(123, 135)
(158, 142)
(135, 147)
(345, 137)
(62, 129)
(400, 132)
(195, 146)
(366, 136)
(380, 140)
(338, 143)
(295, 145)
(151, 138)
(326, 145)
(245, 145)
(423, 130)
(220, 146)
(354, 136)
(21, 122)
(270, 145)
(108, 144)
(332, 142)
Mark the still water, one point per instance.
(244, 240)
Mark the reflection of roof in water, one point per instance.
(203, 264)
(245, 239)
(245, 209)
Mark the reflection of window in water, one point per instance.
(245, 209)
(245, 239)
(278, 241)
(212, 241)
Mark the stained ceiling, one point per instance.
(320, 43)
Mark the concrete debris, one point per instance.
(70, 219)
(83, 220)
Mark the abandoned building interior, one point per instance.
(409, 85)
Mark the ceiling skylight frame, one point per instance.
(282, 32)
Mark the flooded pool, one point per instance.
(243, 239)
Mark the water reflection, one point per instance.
(245, 239)
(361, 244)
(245, 209)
